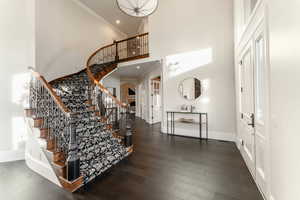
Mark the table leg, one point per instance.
(167, 123)
(200, 126)
(206, 126)
(173, 120)
(171, 124)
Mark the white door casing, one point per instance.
(155, 101)
(144, 104)
(261, 109)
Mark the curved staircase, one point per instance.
(80, 120)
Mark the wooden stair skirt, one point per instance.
(29, 112)
(71, 186)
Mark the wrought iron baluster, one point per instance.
(73, 167)
(36, 98)
(31, 92)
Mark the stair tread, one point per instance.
(95, 139)
(59, 163)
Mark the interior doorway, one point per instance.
(128, 95)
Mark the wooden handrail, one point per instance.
(103, 89)
(133, 37)
(97, 51)
(46, 85)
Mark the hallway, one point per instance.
(161, 168)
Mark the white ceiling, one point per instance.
(109, 10)
(131, 72)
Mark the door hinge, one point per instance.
(242, 115)
(242, 89)
(243, 143)
(241, 62)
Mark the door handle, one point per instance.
(252, 121)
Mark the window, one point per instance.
(259, 82)
(249, 6)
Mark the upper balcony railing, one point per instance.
(132, 48)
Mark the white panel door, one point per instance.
(247, 109)
(155, 101)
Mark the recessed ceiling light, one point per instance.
(118, 21)
(138, 67)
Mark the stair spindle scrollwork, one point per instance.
(58, 120)
(115, 113)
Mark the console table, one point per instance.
(171, 124)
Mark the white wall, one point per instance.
(113, 81)
(67, 34)
(205, 26)
(284, 29)
(16, 53)
(144, 26)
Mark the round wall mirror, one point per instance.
(190, 88)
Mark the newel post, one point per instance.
(73, 160)
(116, 122)
(117, 51)
(128, 135)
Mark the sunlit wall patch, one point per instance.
(184, 62)
(20, 89)
(205, 100)
(205, 84)
(19, 137)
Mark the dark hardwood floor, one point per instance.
(161, 168)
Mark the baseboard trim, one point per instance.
(10, 156)
(215, 135)
(253, 177)
(225, 136)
